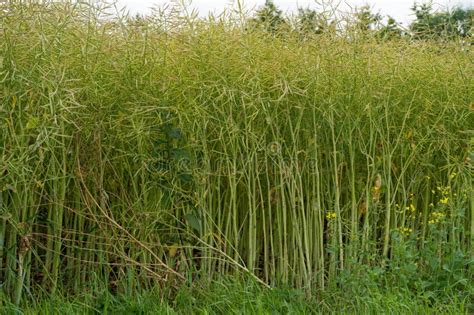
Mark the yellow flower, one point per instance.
(436, 217)
(412, 208)
(331, 215)
(444, 200)
(405, 230)
(172, 250)
(453, 174)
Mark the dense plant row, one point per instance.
(137, 156)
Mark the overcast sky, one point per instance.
(399, 9)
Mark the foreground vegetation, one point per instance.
(244, 296)
(144, 155)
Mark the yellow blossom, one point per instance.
(405, 230)
(436, 217)
(444, 200)
(331, 215)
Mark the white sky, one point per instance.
(399, 9)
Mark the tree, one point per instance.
(310, 21)
(391, 30)
(270, 18)
(464, 19)
(444, 25)
(366, 20)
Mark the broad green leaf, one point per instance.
(193, 221)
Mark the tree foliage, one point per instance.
(310, 21)
(270, 18)
(391, 30)
(446, 24)
(366, 20)
(428, 24)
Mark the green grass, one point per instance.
(245, 296)
(141, 153)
